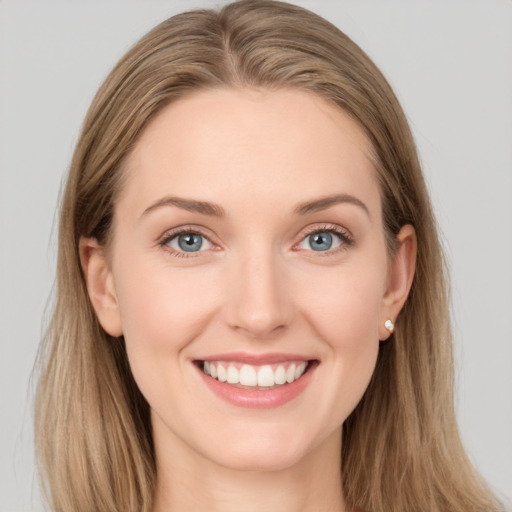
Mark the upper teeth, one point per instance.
(249, 375)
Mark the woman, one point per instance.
(251, 308)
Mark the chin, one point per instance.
(259, 457)
(269, 449)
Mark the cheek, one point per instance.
(344, 310)
(162, 311)
(344, 304)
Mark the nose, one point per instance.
(259, 300)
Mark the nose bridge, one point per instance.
(259, 304)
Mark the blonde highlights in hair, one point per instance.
(401, 448)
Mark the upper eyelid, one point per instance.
(331, 228)
(173, 232)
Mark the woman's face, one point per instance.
(248, 235)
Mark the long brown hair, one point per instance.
(401, 447)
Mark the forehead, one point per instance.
(223, 144)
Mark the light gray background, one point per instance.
(451, 65)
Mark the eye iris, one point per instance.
(320, 241)
(190, 242)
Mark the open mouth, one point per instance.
(256, 377)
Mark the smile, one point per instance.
(255, 376)
(259, 382)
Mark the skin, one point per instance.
(256, 287)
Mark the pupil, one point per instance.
(321, 241)
(190, 242)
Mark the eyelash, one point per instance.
(170, 235)
(346, 240)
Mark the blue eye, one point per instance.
(189, 242)
(321, 241)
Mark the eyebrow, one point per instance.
(191, 205)
(323, 203)
(215, 210)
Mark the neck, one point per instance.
(194, 483)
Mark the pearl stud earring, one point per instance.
(389, 325)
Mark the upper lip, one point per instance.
(256, 359)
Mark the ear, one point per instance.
(401, 274)
(100, 285)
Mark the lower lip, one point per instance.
(259, 399)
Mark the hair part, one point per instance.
(401, 448)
